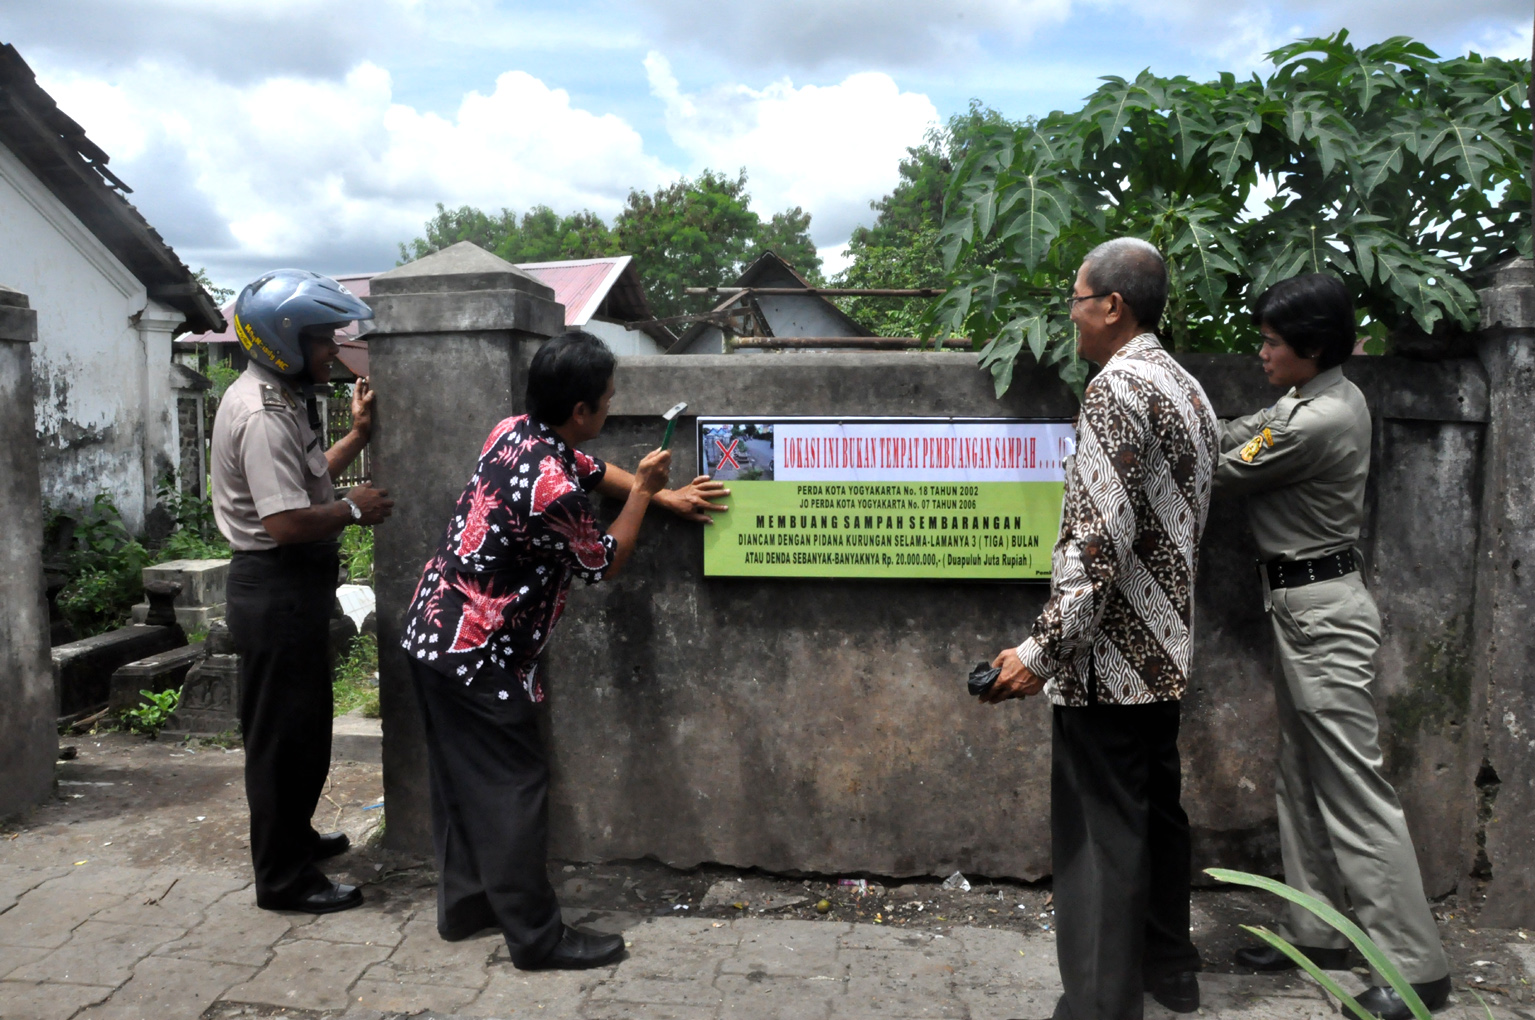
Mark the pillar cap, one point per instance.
(18, 322)
(458, 267)
(1508, 296)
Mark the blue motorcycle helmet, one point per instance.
(273, 310)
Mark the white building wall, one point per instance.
(622, 342)
(105, 411)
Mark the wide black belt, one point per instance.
(1284, 573)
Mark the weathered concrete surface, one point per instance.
(26, 676)
(444, 376)
(820, 725)
(82, 670)
(1504, 667)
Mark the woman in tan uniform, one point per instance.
(1302, 463)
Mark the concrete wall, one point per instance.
(28, 742)
(821, 725)
(104, 406)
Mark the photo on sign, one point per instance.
(738, 451)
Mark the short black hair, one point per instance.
(1133, 269)
(1314, 314)
(569, 369)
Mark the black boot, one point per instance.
(1266, 958)
(1178, 991)
(1382, 1000)
(579, 950)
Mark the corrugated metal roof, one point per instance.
(586, 287)
(55, 149)
(579, 284)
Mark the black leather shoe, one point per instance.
(1178, 991)
(1382, 1000)
(331, 844)
(326, 901)
(580, 950)
(1266, 958)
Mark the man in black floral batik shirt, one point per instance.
(483, 611)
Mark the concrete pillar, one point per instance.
(448, 355)
(1504, 680)
(28, 742)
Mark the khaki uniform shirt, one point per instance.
(1303, 464)
(266, 459)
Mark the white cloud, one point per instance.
(829, 149)
(336, 171)
(816, 33)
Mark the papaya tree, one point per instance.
(1401, 172)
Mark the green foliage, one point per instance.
(197, 535)
(1398, 171)
(1377, 959)
(223, 375)
(220, 295)
(353, 686)
(152, 712)
(103, 561)
(539, 235)
(900, 251)
(357, 553)
(692, 233)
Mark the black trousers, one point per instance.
(490, 816)
(1120, 841)
(278, 610)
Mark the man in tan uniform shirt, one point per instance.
(273, 498)
(1302, 464)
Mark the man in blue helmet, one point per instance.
(275, 501)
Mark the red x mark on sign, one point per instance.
(728, 454)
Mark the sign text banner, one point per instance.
(885, 498)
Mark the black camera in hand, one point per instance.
(982, 677)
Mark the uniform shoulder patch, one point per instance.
(1256, 444)
(271, 396)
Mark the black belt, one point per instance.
(1298, 573)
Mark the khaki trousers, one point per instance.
(1341, 830)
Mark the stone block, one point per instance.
(210, 699)
(355, 737)
(164, 671)
(201, 599)
(83, 669)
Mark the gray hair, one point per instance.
(1134, 270)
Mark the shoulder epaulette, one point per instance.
(275, 396)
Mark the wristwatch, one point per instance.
(356, 510)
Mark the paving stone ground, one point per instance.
(102, 917)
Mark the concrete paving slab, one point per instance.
(189, 895)
(98, 953)
(27, 1000)
(424, 958)
(231, 931)
(930, 994)
(361, 926)
(664, 990)
(12, 957)
(46, 915)
(93, 877)
(309, 974)
(653, 1011)
(402, 997)
(15, 880)
(168, 989)
(514, 993)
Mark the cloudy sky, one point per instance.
(319, 133)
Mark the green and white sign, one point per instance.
(949, 498)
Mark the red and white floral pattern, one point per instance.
(523, 529)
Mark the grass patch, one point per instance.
(356, 675)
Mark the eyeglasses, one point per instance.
(1072, 299)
